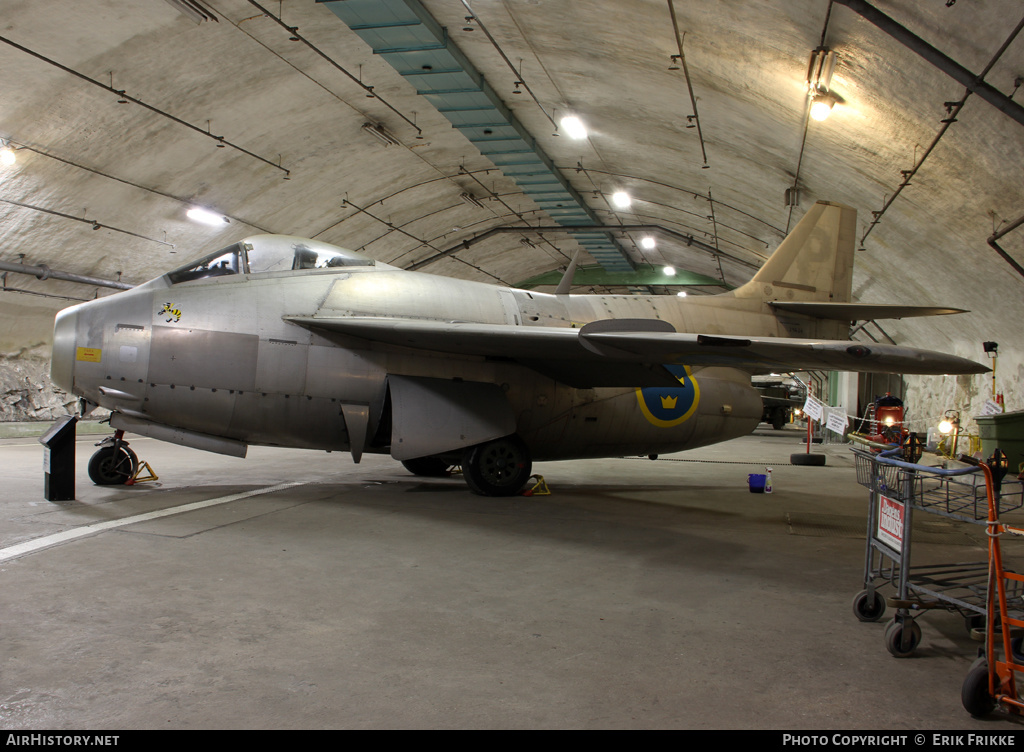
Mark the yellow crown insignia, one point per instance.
(668, 402)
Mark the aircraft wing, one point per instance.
(630, 352)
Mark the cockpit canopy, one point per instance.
(269, 253)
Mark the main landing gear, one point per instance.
(113, 464)
(497, 468)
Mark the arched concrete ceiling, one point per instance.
(101, 187)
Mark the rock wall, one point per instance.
(929, 397)
(26, 392)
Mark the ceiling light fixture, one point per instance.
(206, 217)
(821, 106)
(381, 133)
(574, 127)
(621, 199)
(820, 68)
(7, 155)
(648, 242)
(194, 9)
(470, 199)
(669, 271)
(681, 294)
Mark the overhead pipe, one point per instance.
(946, 64)
(221, 141)
(689, 85)
(44, 153)
(953, 109)
(91, 222)
(1005, 256)
(43, 272)
(519, 74)
(295, 36)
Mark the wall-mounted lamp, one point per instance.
(950, 424)
(992, 350)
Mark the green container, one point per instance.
(1004, 431)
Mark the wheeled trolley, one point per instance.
(898, 490)
(991, 681)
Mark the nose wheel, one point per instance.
(114, 464)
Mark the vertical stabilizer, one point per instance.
(565, 284)
(813, 263)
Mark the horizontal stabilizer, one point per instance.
(641, 342)
(861, 311)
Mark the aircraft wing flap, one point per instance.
(569, 351)
(860, 311)
(783, 354)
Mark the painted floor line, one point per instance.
(31, 546)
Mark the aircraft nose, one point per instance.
(62, 363)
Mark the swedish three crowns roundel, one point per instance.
(669, 406)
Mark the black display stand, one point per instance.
(59, 460)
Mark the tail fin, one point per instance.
(813, 263)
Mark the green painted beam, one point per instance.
(644, 276)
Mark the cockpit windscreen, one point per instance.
(269, 253)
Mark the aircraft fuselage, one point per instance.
(215, 357)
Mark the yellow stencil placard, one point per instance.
(89, 354)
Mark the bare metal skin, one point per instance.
(283, 341)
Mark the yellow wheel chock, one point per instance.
(540, 488)
(136, 479)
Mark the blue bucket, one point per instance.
(756, 482)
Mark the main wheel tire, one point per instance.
(113, 466)
(497, 468)
(778, 419)
(428, 467)
(902, 638)
(868, 606)
(974, 694)
(975, 625)
(805, 458)
(1017, 649)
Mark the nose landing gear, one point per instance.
(113, 464)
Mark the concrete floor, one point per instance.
(638, 594)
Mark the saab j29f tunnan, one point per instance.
(289, 342)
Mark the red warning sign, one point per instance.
(890, 522)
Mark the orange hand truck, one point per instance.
(991, 681)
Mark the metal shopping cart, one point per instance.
(899, 489)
